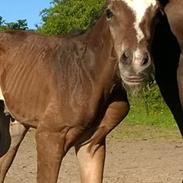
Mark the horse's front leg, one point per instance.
(117, 109)
(91, 155)
(53, 142)
(91, 166)
(50, 151)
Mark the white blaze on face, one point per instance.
(139, 8)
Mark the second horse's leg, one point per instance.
(17, 132)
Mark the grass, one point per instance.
(149, 118)
(162, 118)
(129, 131)
(149, 108)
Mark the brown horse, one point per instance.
(167, 49)
(70, 88)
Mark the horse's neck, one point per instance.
(100, 43)
(99, 36)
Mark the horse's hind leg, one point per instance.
(17, 132)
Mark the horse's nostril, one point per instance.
(126, 57)
(146, 59)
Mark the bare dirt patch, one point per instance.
(131, 158)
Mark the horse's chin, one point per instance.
(133, 89)
(134, 84)
(134, 81)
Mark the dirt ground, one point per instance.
(129, 160)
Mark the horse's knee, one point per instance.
(17, 133)
(115, 113)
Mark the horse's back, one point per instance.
(25, 76)
(36, 70)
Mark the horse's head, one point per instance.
(131, 23)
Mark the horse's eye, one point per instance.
(109, 13)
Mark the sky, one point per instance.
(12, 10)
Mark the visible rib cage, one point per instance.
(22, 81)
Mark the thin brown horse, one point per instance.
(70, 88)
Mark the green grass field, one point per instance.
(139, 114)
(149, 118)
(149, 108)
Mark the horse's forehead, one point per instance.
(139, 7)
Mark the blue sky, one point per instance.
(12, 10)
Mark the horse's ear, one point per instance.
(163, 2)
(109, 1)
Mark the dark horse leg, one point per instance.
(5, 139)
(174, 13)
(180, 78)
(166, 53)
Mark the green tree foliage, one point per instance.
(70, 15)
(18, 25)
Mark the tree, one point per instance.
(69, 15)
(2, 23)
(18, 25)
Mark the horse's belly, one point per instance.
(25, 103)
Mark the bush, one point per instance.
(70, 15)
